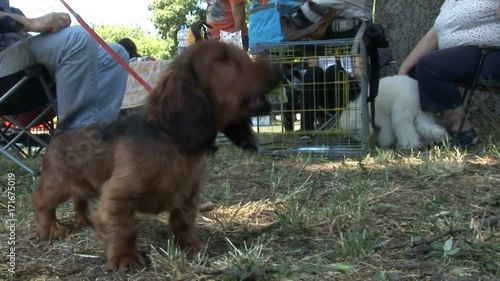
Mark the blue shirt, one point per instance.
(7, 39)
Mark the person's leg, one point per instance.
(438, 74)
(111, 83)
(72, 57)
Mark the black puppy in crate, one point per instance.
(318, 95)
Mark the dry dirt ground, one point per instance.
(393, 215)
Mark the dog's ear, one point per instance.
(179, 108)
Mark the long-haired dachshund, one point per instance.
(154, 161)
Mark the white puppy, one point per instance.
(397, 114)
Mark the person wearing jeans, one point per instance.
(90, 83)
(449, 54)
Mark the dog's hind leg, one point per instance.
(385, 136)
(403, 122)
(50, 193)
(81, 193)
(428, 128)
(81, 208)
(182, 223)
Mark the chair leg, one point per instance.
(52, 101)
(465, 103)
(24, 142)
(21, 164)
(467, 98)
(26, 131)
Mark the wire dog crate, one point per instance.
(320, 78)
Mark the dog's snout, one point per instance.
(269, 74)
(258, 106)
(275, 75)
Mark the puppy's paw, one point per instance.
(124, 260)
(191, 246)
(82, 220)
(410, 145)
(54, 231)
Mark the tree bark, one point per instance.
(405, 22)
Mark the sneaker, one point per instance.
(463, 139)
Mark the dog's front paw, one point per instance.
(191, 246)
(54, 231)
(125, 259)
(82, 220)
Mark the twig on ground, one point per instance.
(426, 240)
(262, 228)
(211, 272)
(86, 256)
(247, 276)
(376, 198)
(430, 239)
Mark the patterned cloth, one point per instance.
(468, 23)
(232, 38)
(151, 72)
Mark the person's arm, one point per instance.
(52, 22)
(427, 44)
(238, 10)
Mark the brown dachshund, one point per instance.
(154, 161)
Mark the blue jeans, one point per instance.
(90, 83)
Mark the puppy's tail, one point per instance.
(428, 129)
(350, 119)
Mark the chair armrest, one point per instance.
(8, 25)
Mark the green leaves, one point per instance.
(147, 44)
(168, 15)
(449, 249)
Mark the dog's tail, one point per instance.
(350, 119)
(427, 127)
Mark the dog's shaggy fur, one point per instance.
(154, 161)
(397, 116)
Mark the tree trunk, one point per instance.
(405, 22)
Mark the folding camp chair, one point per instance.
(478, 84)
(27, 101)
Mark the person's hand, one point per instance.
(405, 68)
(52, 22)
(402, 71)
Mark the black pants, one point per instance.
(439, 72)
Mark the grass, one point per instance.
(392, 215)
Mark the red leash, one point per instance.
(107, 48)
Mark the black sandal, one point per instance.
(463, 139)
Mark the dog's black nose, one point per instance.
(276, 76)
(259, 105)
(241, 134)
